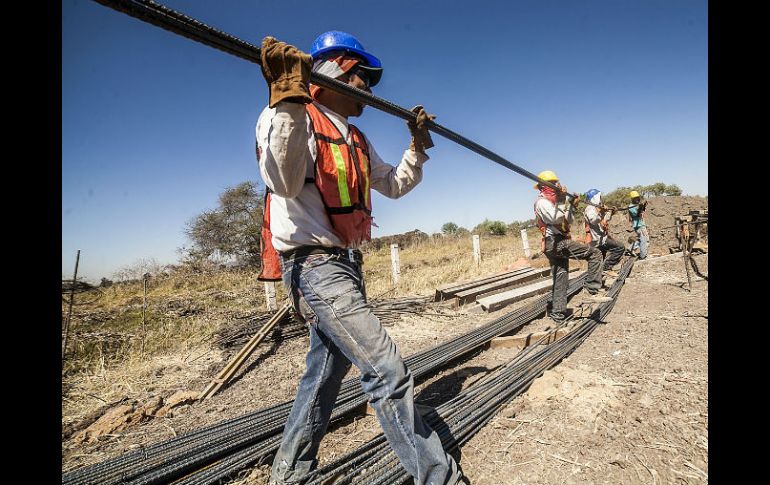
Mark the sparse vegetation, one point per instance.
(449, 229)
(491, 228)
(619, 197)
(231, 232)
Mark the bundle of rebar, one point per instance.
(388, 310)
(229, 446)
(238, 333)
(457, 420)
(79, 286)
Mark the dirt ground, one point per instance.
(628, 406)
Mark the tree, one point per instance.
(231, 231)
(657, 189)
(516, 226)
(619, 197)
(491, 228)
(135, 270)
(449, 229)
(673, 190)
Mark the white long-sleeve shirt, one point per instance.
(598, 234)
(286, 154)
(553, 215)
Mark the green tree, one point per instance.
(232, 230)
(655, 190)
(491, 228)
(673, 190)
(449, 229)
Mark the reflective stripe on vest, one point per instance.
(342, 176)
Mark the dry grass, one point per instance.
(433, 263)
(105, 361)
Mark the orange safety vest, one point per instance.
(342, 176)
(542, 226)
(589, 238)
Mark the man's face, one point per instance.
(358, 79)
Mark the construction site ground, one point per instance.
(628, 406)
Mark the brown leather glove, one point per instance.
(421, 139)
(287, 72)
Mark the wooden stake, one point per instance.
(525, 243)
(396, 263)
(69, 312)
(232, 367)
(144, 309)
(686, 252)
(270, 295)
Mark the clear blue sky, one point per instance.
(155, 126)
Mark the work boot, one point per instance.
(559, 317)
(598, 296)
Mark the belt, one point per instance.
(352, 255)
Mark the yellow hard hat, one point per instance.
(634, 194)
(548, 176)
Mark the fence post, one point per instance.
(396, 263)
(69, 312)
(144, 310)
(270, 295)
(476, 249)
(525, 243)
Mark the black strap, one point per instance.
(303, 251)
(328, 139)
(349, 209)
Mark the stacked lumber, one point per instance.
(500, 300)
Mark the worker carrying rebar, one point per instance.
(636, 218)
(554, 214)
(597, 223)
(319, 171)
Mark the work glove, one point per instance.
(421, 139)
(287, 72)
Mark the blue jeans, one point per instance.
(328, 291)
(642, 242)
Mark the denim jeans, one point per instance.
(612, 251)
(559, 251)
(642, 242)
(328, 292)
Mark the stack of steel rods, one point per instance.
(247, 439)
(237, 334)
(457, 420)
(388, 311)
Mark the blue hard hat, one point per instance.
(590, 194)
(334, 40)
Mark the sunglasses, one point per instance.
(362, 74)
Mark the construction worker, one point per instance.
(554, 214)
(319, 170)
(636, 218)
(597, 220)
